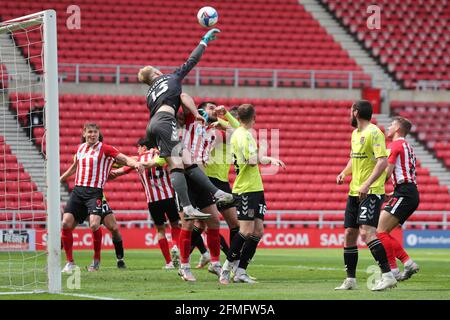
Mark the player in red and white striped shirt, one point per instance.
(160, 199)
(404, 200)
(93, 162)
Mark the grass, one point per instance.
(290, 274)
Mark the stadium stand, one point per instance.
(413, 42)
(431, 124)
(314, 143)
(18, 191)
(279, 35)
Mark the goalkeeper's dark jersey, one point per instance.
(167, 88)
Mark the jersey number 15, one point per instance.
(163, 87)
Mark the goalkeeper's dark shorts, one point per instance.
(162, 130)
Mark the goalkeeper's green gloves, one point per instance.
(209, 36)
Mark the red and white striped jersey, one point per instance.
(94, 164)
(156, 181)
(403, 157)
(197, 139)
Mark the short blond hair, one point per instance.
(145, 74)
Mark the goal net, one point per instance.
(29, 155)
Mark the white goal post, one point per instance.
(46, 80)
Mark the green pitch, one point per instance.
(282, 274)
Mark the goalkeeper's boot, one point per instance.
(215, 268)
(95, 265)
(175, 256)
(409, 271)
(348, 284)
(185, 273)
(190, 213)
(69, 267)
(387, 281)
(121, 264)
(223, 198)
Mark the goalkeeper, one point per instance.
(163, 101)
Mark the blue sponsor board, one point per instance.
(426, 239)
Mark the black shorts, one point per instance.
(162, 130)
(160, 209)
(199, 196)
(84, 201)
(224, 186)
(251, 205)
(404, 201)
(366, 212)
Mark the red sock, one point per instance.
(399, 252)
(213, 240)
(385, 239)
(164, 246)
(185, 245)
(97, 243)
(67, 240)
(175, 234)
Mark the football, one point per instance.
(207, 16)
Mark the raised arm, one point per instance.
(196, 54)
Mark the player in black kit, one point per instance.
(163, 101)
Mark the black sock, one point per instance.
(118, 247)
(224, 245)
(248, 251)
(379, 254)
(233, 232)
(197, 240)
(235, 247)
(351, 260)
(196, 174)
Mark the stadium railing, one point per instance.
(279, 219)
(225, 76)
(432, 85)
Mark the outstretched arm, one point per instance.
(188, 104)
(196, 54)
(123, 159)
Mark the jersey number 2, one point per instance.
(163, 87)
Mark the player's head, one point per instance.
(400, 126)
(148, 74)
(247, 114)
(144, 144)
(361, 110)
(234, 111)
(210, 108)
(91, 133)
